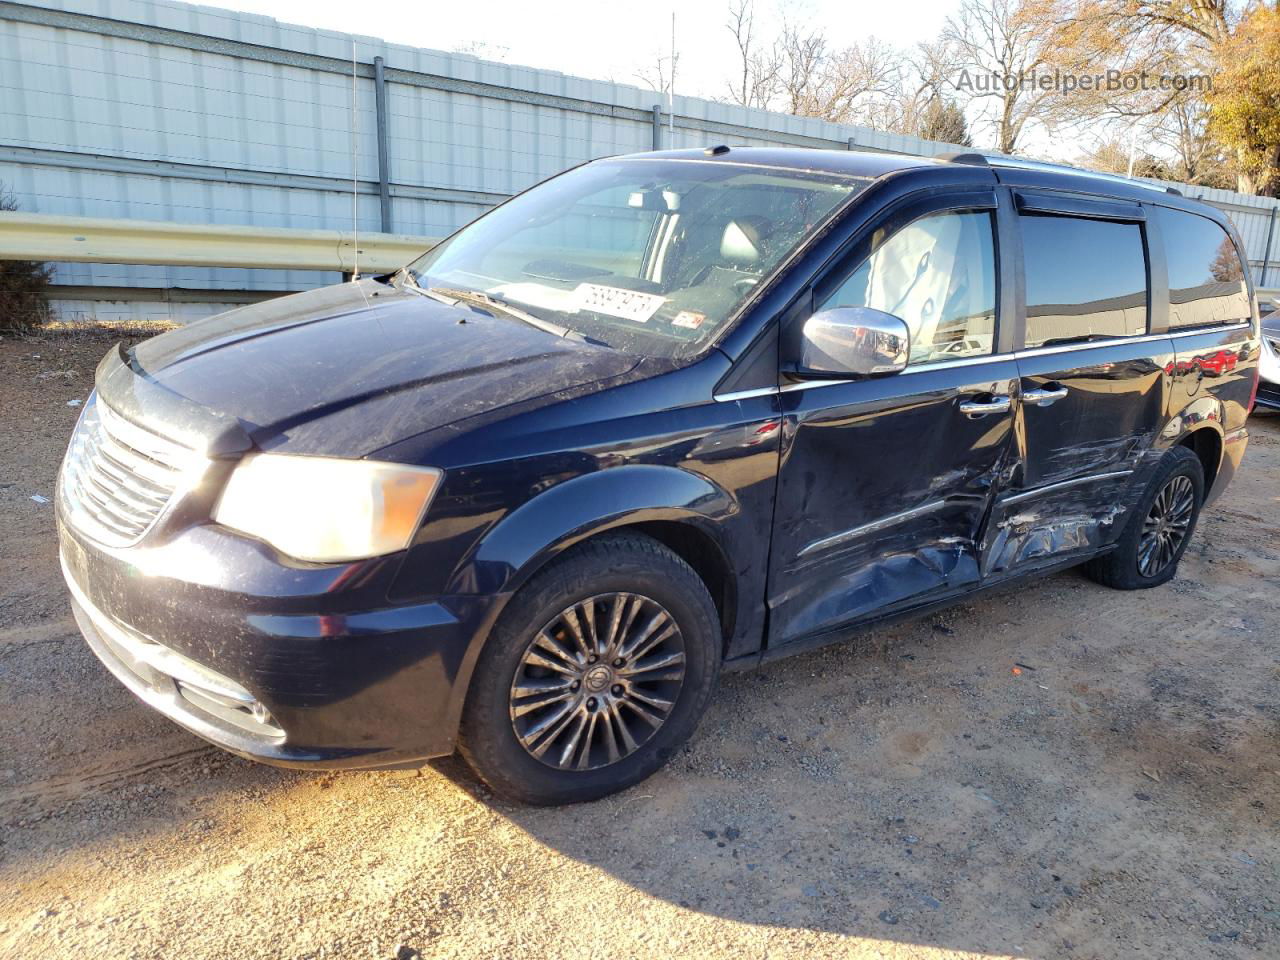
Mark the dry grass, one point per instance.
(130, 328)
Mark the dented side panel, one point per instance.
(1082, 460)
(882, 492)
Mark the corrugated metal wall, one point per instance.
(158, 110)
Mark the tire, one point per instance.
(649, 582)
(1130, 566)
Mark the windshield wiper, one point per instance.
(490, 302)
(407, 281)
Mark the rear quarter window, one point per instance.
(1206, 278)
(1086, 279)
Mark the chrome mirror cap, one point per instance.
(854, 342)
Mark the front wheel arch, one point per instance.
(674, 507)
(618, 561)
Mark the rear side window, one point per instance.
(1206, 277)
(1086, 279)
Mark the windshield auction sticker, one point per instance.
(616, 302)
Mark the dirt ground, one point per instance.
(905, 795)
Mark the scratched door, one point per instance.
(1093, 383)
(885, 483)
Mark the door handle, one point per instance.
(1044, 398)
(973, 409)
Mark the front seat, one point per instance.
(742, 242)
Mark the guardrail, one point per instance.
(31, 236)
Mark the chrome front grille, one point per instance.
(118, 477)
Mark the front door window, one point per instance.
(936, 273)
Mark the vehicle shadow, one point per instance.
(906, 788)
(1005, 778)
(1055, 770)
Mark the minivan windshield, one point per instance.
(652, 257)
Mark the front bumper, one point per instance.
(293, 665)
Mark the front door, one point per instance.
(1094, 382)
(885, 483)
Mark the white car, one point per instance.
(1269, 363)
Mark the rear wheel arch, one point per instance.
(1158, 502)
(1206, 444)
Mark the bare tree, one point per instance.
(659, 75)
(927, 87)
(869, 82)
(935, 66)
(816, 81)
(757, 82)
(1002, 46)
(1111, 154)
(1183, 131)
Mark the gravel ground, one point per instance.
(904, 795)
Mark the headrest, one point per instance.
(742, 239)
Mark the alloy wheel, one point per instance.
(597, 681)
(1166, 525)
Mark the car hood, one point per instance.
(345, 370)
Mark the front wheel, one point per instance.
(596, 673)
(1159, 528)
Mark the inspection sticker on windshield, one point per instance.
(616, 302)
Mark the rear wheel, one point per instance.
(1159, 528)
(599, 669)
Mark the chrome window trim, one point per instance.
(1090, 345)
(918, 368)
(1118, 341)
(1176, 332)
(745, 394)
(814, 384)
(993, 358)
(1065, 484)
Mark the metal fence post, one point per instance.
(384, 160)
(1266, 257)
(657, 126)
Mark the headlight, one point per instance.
(326, 510)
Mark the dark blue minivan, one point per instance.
(660, 415)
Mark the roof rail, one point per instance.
(1017, 163)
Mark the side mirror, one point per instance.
(854, 342)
